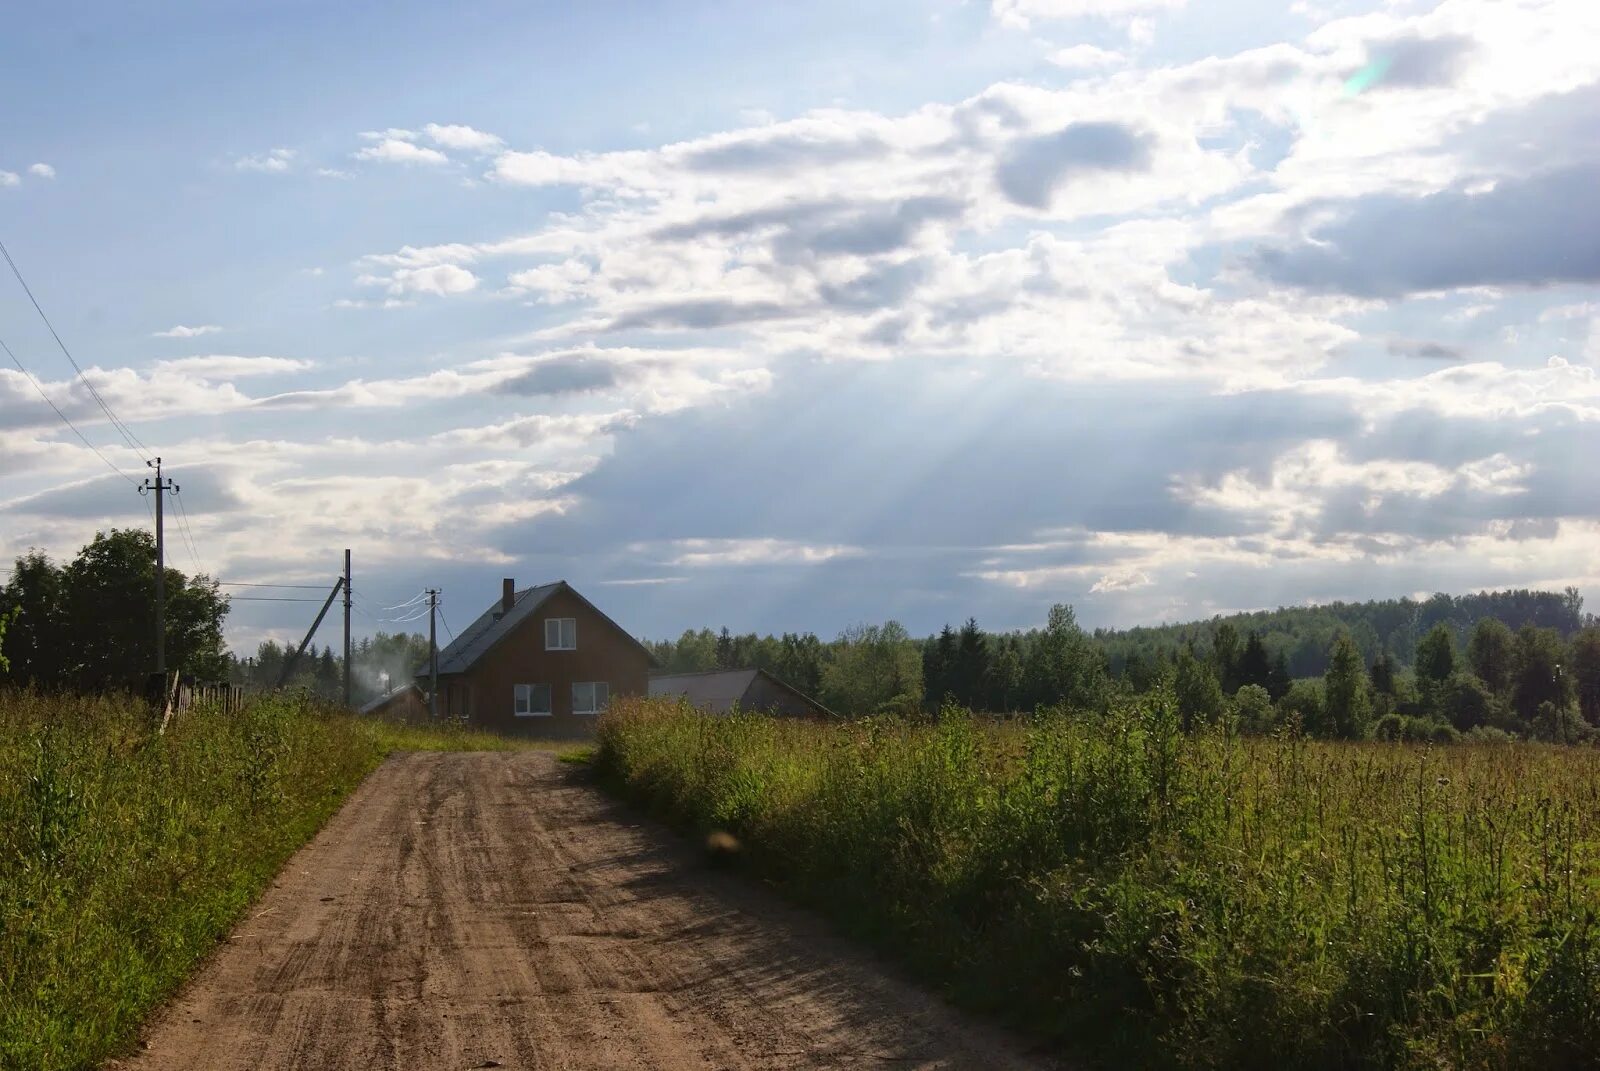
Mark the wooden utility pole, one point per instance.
(160, 487)
(347, 626)
(433, 655)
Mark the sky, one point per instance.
(791, 317)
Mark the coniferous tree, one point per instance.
(1585, 661)
(971, 669)
(1254, 665)
(1537, 676)
(725, 649)
(1280, 681)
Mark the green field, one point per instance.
(1146, 898)
(125, 856)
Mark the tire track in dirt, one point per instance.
(492, 910)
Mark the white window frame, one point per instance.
(599, 696)
(566, 634)
(522, 696)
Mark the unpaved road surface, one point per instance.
(492, 910)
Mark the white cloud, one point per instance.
(274, 161)
(440, 279)
(703, 553)
(1022, 13)
(10, 178)
(44, 171)
(394, 150)
(463, 137)
(182, 331)
(230, 366)
(1086, 57)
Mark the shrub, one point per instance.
(1174, 900)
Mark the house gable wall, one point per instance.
(486, 693)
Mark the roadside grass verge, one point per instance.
(1147, 898)
(125, 856)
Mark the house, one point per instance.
(403, 704)
(542, 661)
(719, 691)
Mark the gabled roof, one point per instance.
(492, 626)
(716, 690)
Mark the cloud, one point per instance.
(229, 366)
(710, 553)
(1034, 167)
(181, 331)
(463, 137)
(1086, 57)
(397, 151)
(1022, 13)
(275, 161)
(1533, 232)
(565, 374)
(1432, 351)
(1414, 62)
(44, 171)
(441, 279)
(10, 178)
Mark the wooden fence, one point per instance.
(171, 695)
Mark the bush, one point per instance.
(1174, 900)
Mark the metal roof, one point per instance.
(492, 626)
(716, 690)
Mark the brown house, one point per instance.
(541, 662)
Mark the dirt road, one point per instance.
(492, 910)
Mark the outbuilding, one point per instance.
(719, 691)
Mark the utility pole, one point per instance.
(347, 626)
(160, 487)
(433, 655)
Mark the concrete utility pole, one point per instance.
(160, 487)
(433, 655)
(347, 626)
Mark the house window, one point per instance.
(560, 634)
(532, 701)
(590, 697)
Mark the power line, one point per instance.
(255, 584)
(127, 433)
(418, 597)
(84, 439)
(267, 598)
(188, 532)
(446, 622)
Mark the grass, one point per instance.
(1147, 898)
(125, 856)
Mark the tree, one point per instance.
(1348, 708)
(1382, 674)
(1436, 655)
(971, 668)
(1064, 665)
(1305, 705)
(1253, 706)
(938, 667)
(1492, 654)
(1537, 675)
(1279, 683)
(1585, 661)
(1199, 695)
(90, 625)
(725, 650)
(874, 669)
(1466, 702)
(1225, 656)
(1255, 667)
(1005, 676)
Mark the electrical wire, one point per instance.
(418, 597)
(447, 627)
(267, 598)
(83, 438)
(188, 532)
(254, 584)
(116, 422)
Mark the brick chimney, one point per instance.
(508, 594)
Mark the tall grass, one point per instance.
(1159, 899)
(125, 856)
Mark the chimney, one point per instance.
(508, 594)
